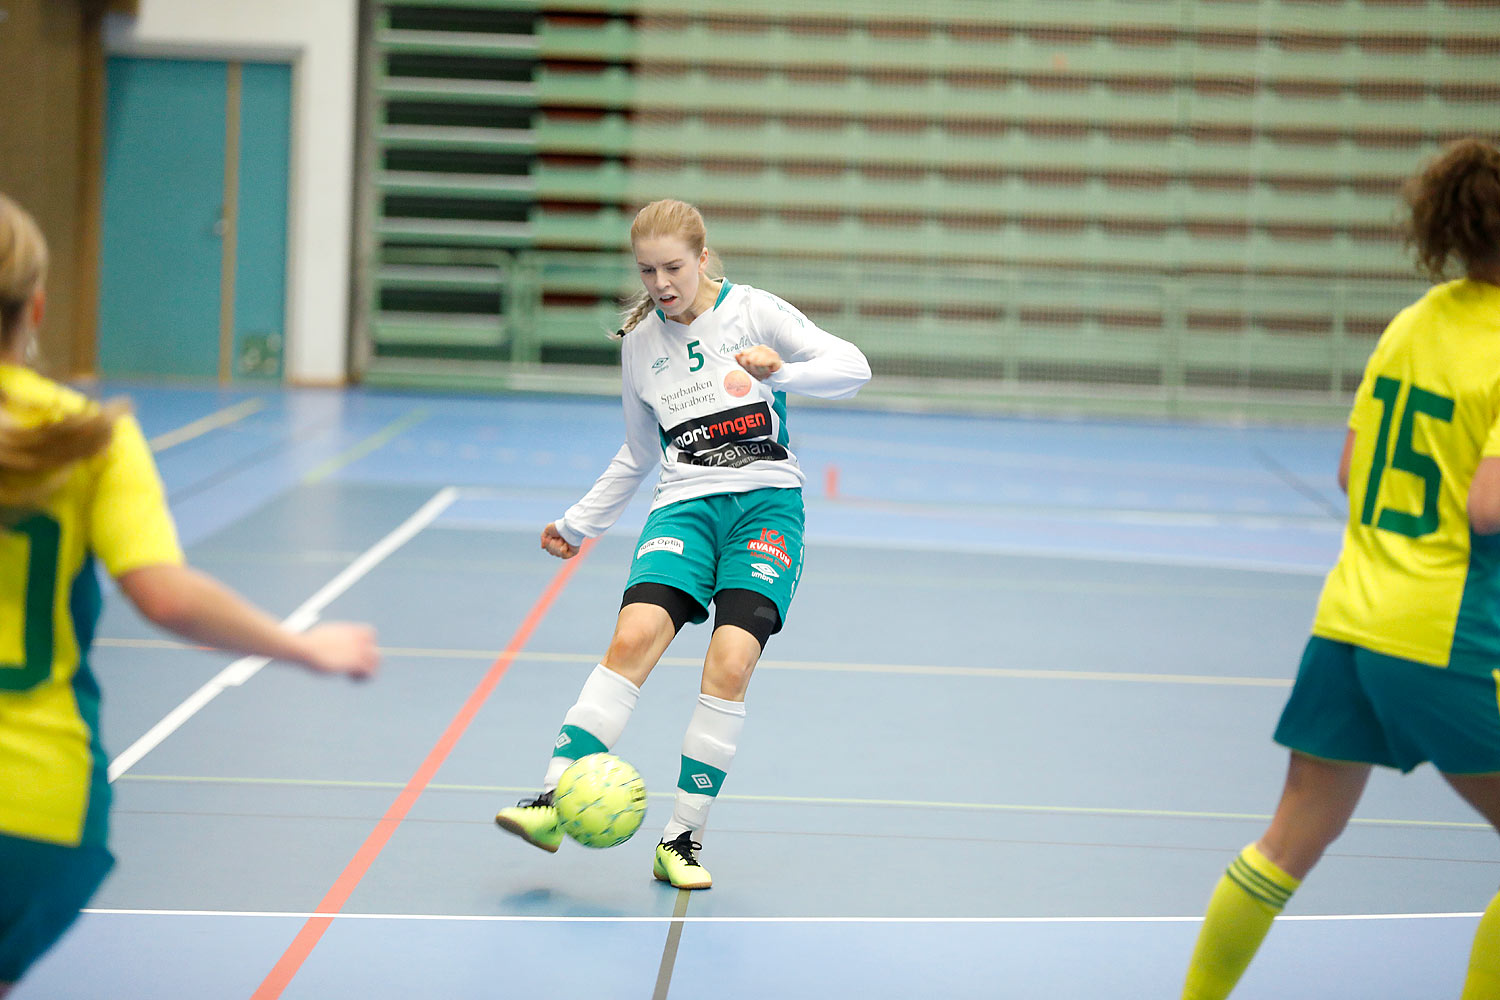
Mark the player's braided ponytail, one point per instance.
(36, 448)
(635, 311)
(1455, 210)
(667, 217)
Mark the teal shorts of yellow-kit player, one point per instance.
(1354, 704)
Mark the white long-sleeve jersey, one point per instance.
(710, 427)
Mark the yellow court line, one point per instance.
(229, 415)
(909, 669)
(365, 447)
(903, 669)
(144, 644)
(813, 800)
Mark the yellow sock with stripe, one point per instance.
(1484, 961)
(1245, 902)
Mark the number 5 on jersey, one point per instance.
(1405, 458)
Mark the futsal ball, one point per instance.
(600, 800)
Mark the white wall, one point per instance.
(320, 37)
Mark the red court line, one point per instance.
(312, 931)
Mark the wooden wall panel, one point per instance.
(51, 102)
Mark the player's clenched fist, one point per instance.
(342, 648)
(556, 544)
(760, 361)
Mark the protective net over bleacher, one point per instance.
(1143, 206)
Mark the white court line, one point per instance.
(668, 919)
(243, 669)
(203, 425)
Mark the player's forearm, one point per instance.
(835, 375)
(598, 510)
(199, 608)
(603, 504)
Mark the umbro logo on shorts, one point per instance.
(763, 572)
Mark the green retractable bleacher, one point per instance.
(1142, 205)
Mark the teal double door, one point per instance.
(193, 255)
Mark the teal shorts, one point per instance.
(1352, 704)
(44, 887)
(746, 541)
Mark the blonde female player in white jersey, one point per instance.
(77, 484)
(706, 368)
(1404, 661)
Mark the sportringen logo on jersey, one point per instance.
(727, 439)
(740, 424)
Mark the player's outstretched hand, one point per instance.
(760, 361)
(342, 648)
(556, 544)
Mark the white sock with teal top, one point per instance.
(594, 723)
(707, 751)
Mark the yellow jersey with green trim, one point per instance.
(110, 507)
(1412, 580)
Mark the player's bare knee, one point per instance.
(727, 678)
(631, 647)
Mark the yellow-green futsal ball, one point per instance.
(600, 800)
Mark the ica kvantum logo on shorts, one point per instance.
(773, 544)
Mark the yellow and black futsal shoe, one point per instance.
(534, 821)
(677, 863)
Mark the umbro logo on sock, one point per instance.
(704, 782)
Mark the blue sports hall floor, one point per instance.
(1015, 727)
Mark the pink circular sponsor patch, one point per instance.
(737, 383)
